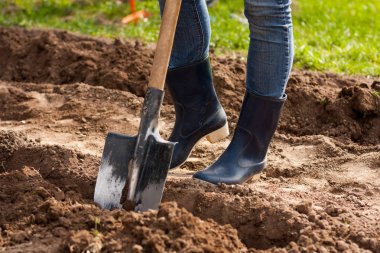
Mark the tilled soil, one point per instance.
(61, 93)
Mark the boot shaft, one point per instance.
(191, 83)
(259, 116)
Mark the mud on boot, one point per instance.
(197, 108)
(245, 156)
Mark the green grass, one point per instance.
(340, 36)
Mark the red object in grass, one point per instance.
(135, 15)
(133, 5)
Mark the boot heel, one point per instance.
(219, 134)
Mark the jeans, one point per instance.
(270, 53)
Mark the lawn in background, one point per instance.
(340, 36)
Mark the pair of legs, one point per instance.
(198, 111)
(270, 53)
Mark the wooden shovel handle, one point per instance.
(164, 44)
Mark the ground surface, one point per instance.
(59, 96)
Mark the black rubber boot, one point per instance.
(245, 157)
(197, 109)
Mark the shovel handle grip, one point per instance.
(164, 44)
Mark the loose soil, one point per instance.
(60, 94)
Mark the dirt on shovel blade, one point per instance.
(61, 93)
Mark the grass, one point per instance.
(340, 36)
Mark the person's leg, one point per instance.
(269, 62)
(192, 37)
(270, 53)
(189, 81)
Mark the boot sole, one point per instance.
(218, 134)
(252, 179)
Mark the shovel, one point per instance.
(142, 160)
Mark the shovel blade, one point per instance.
(153, 173)
(113, 171)
(118, 155)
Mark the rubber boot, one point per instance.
(198, 111)
(245, 157)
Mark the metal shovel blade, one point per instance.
(143, 161)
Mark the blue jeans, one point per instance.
(270, 53)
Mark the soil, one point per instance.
(60, 94)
